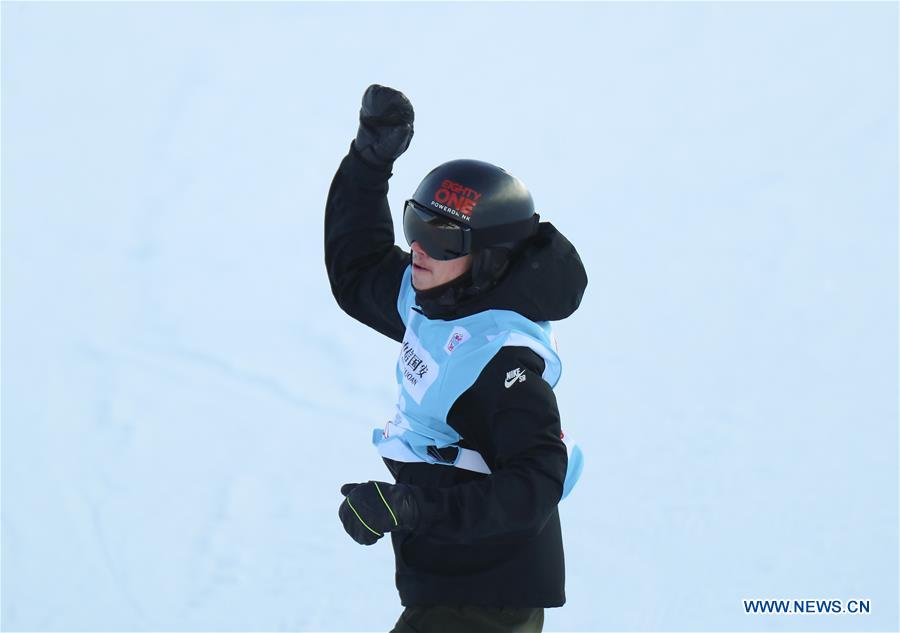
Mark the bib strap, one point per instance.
(390, 444)
(395, 448)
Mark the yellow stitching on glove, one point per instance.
(360, 518)
(386, 503)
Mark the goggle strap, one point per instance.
(512, 232)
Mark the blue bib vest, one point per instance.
(439, 360)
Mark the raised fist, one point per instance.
(385, 125)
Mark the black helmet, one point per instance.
(469, 206)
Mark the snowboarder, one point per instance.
(475, 445)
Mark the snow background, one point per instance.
(171, 350)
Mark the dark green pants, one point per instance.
(439, 619)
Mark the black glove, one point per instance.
(385, 125)
(375, 507)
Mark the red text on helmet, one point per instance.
(457, 196)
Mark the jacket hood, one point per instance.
(545, 281)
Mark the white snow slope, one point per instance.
(171, 350)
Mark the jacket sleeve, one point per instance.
(517, 430)
(365, 267)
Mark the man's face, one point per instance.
(428, 273)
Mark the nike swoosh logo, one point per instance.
(518, 375)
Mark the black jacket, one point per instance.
(484, 540)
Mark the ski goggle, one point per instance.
(438, 236)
